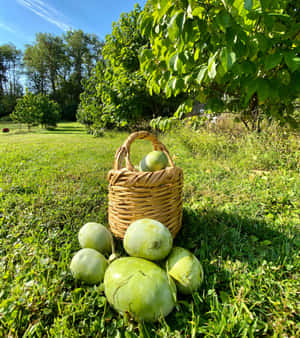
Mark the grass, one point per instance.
(241, 219)
(62, 128)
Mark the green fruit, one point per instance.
(148, 239)
(139, 287)
(143, 166)
(186, 270)
(88, 265)
(156, 160)
(95, 236)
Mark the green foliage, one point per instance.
(35, 109)
(241, 213)
(116, 94)
(237, 56)
(91, 111)
(7, 104)
(10, 69)
(44, 61)
(83, 50)
(57, 65)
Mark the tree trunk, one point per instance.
(245, 124)
(254, 113)
(258, 125)
(53, 85)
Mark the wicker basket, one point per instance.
(134, 195)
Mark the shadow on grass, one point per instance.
(216, 237)
(65, 130)
(218, 234)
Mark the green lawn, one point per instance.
(241, 219)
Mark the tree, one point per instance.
(83, 51)
(10, 69)
(44, 62)
(90, 102)
(35, 109)
(57, 65)
(53, 50)
(116, 93)
(36, 69)
(239, 56)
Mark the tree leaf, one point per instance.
(273, 60)
(176, 25)
(175, 63)
(201, 74)
(248, 4)
(196, 54)
(145, 25)
(292, 61)
(223, 19)
(162, 4)
(251, 88)
(172, 83)
(146, 54)
(213, 70)
(187, 79)
(248, 67)
(263, 90)
(189, 34)
(228, 58)
(239, 5)
(198, 11)
(179, 85)
(189, 12)
(212, 66)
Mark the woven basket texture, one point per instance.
(134, 195)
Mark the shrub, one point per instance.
(36, 109)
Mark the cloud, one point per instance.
(46, 12)
(15, 31)
(8, 28)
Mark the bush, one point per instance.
(36, 109)
(7, 104)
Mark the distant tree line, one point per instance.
(10, 71)
(54, 66)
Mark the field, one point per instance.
(241, 219)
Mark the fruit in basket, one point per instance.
(95, 236)
(148, 238)
(143, 166)
(88, 265)
(139, 287)
(155, 160)
(186, 270)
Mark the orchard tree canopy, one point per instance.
(234, 55)
(116, 93)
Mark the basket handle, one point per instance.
(124, 150)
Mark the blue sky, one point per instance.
(20, 20)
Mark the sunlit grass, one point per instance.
(241, 219)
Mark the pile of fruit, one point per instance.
(145, 283)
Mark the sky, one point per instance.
(21, 20)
